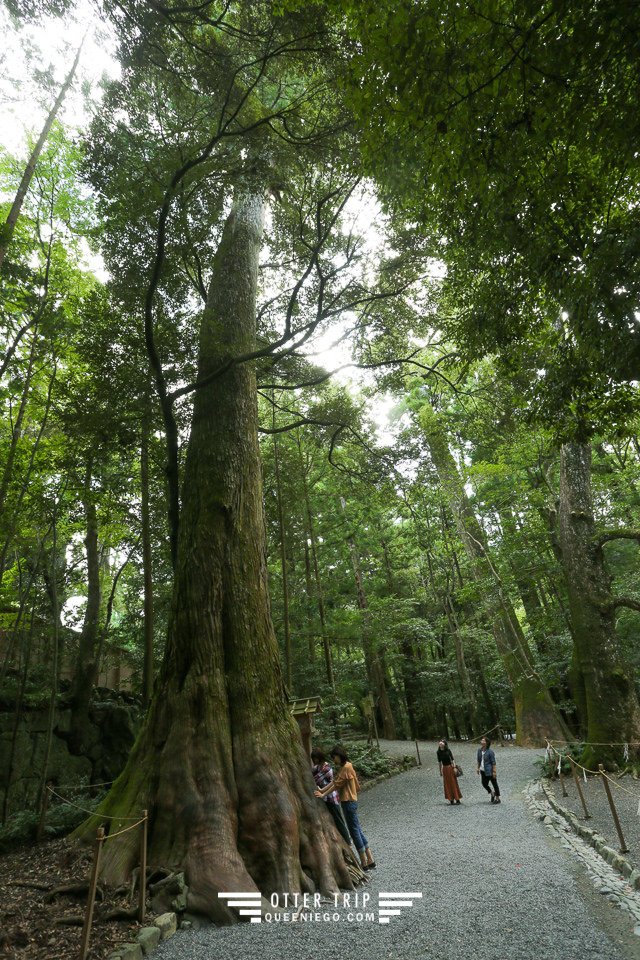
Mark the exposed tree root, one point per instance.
(73, 890)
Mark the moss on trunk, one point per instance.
(219, 762)
(537, 717)
(610, 698)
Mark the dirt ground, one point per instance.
(36, 923)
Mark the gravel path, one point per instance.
(468, 861)
(626, 795)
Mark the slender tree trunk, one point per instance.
(24, 486)
(613, 711)
(310, 596)
(373, 660)
(492, 714)
(536, 715)
(18, 714)
(326, 647)
(463, 672)
(6, 234)
(53, 698)
(86, 668)
(16, 432)
(13, 346)
(147, 564)
(219, 761)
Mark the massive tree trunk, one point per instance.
(613, 712)
(219, 761)
(536, 715)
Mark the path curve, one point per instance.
(468, 861)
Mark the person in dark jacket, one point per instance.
(487, 769)
(323, 776)
(447, 772)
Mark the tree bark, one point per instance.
(147, 567)
(326, 647)
(536, 715)
(612, 708)
(86, 668)
(375, 667)
(16, 432)
(219, 761)
(283, 566)
(55, 653)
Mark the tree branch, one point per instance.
(621, 534)
(628, 602)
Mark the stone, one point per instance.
(131, 951)
(634, 879)
(167, 924)
(636, 930)
(148, 938)
(169, 894)
(196, 921)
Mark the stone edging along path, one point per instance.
(595, 840)
(611, 874)
(167, 924)
(148, 939)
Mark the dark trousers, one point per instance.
(494, 783)
(338, 819)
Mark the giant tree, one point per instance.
(219, 761)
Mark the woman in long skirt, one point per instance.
(447, 772)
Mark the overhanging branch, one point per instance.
(622, 534)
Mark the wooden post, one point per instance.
(375, 727)
(43, 812)
(561, 775)
(614, 813)
(91, 899)
(576, 779)
(418, 752)
(143, 867)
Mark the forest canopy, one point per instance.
(319, 360)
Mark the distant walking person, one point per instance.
(323, 776)
(346, 783)
(487, 769)
(447, 772)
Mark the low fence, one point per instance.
(580, 775)
(100, 839)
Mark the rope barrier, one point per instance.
(92, 813)
(595, 773)
(473, 739)
(132, 826)
(81, 787)
(608, 743)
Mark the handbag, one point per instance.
(457, 769)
